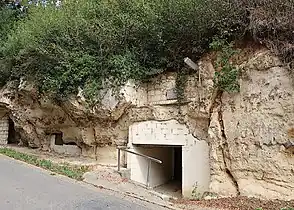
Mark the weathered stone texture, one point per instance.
(247, 131)
(255, 124)
(4, 126)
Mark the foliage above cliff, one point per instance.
(96, 44)
(272, 24)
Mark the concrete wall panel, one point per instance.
(196, 169)
(158, 133)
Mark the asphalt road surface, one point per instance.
(24, 187)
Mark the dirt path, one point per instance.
(238, 203)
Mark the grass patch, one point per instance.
(74, 172)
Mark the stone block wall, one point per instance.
(154, 132)
(163, 89)
(4, 129)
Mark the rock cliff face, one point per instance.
(249, 133)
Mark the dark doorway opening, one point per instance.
(70, 143)
(178, 164)
(12, 138)
(173, 187)
(58, 139)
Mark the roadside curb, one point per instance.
(132, 195)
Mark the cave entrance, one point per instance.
(185, 159)
(164, 178)
(71, 143)
(173, 187)
(58, 139)
(177, 163)
(63, 145)
(12, 133)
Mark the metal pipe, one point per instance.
(145, 156)
(150, 159)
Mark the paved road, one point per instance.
(24, 187)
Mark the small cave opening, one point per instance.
(58, 139)
(71, 143)
(62, 145)
(12, 136)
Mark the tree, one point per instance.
(95, 44)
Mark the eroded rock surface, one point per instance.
(256, 123)
(247, 131)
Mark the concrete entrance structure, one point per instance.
(157, 139)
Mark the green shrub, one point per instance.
(226, 75)
(72, 171)
(95, 44)
(272, 23)
(8, 18)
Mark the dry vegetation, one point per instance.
(237, 203)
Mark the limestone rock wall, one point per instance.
(249, 133)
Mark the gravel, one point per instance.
(237, 203)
